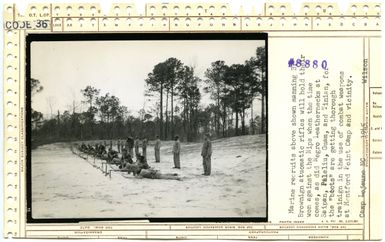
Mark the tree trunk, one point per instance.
(229, 121)
(263, 105)
(112, 129)
(217, 112)
(185, 130)
(236, 123)
(166, 128)
(252, 118)
(189, 108)
(161, 113)
(224, 121)
(243, 122)
(58, 124)
(214, 125)
(196, 123)
(263, 115)
(189, 124)
(172, 111)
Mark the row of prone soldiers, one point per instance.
(128, 147)
(100, 151)
(139, 168)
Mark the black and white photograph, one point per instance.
(140, 128)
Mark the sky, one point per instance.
(119, 67)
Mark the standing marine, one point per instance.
(144, 148)
(136, 145)
(176, 152)
(157, 149)
(206, 155)
(130, 146)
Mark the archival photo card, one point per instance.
(147, 126)
(192, 121)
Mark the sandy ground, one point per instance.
(66, 186)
